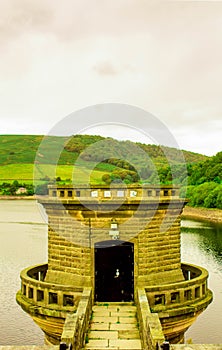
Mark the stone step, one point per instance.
(133, 344)
(116, 348)
(114, 326)
(108, 334)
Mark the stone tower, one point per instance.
(114, 241)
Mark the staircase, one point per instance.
(113, 326)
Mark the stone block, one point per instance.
(96, 344)
(134, 344)
(102, 334)
(122, 326)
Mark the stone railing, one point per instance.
(47, 295)
(192, 290)
(171, 347)
(196, 347)
(76, 325)
(29, 347)
(116, 192)
(150, 327)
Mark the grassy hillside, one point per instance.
(17, 149)
(19, 153)
(24, 173)
(47, 159)
(23, 149)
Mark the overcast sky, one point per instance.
(162, 56)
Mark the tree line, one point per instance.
(205, 183)
(200, 177)
(16, 188)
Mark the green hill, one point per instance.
(22, 149)
(20, 154)
(27, 160)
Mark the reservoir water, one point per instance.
(23, 242)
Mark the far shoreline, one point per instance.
(200, 213)
(7, 197)
(197, 213)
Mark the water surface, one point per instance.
(23, 242)
(201, 244)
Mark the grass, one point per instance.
(20, 172)
(27, 172)
(24, 149)
(19, 153)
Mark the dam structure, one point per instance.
(110, 246)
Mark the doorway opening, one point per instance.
(114, 271)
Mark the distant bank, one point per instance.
(16, 197)
(212, 215)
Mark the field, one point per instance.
(28, 173)
(34, 157)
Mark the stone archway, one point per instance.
(114, 271)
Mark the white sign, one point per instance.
(107, 194)
(133, 193)
(94, 194)
(120, 193)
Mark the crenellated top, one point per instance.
(117, 191)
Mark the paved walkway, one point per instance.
(114, 326)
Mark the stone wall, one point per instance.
(159, 250)
(74, 229)
(172, 347)
(69, 255)
(150, 328)
(196, 347)
(29, 347)
(76, 325)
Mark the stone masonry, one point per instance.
(118, 243)
(70, 247)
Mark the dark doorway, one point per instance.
(114, 267)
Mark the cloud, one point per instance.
(21, 17)
(105, 68)
(59, 56)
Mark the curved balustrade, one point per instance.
(48, 295)
(193, 290)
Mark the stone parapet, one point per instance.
(191, 292)
(47, 303)
(196, 347)
(178, 304)
(115, 192)
(29, 347)
(37, 293)
(150, 326)
(172, 347)
(76, 325)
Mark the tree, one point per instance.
(212, 198)
(106, 178)
(42, 189)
